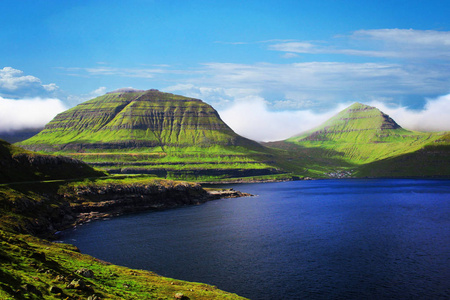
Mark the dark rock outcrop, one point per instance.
(87, 202)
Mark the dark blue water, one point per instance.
(331, 239)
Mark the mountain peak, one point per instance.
(360, 106)
(126, 90)
(355, 121)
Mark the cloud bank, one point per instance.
(435, 116)
(27, 113)
(252, 118)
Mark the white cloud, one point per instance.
(435, 116)
(12, 79)
(122, 72)
(218, 97)
(326, 82)
(289, 55)
(50, 87)
(251, 117)
(407, 36)
(16, 85)
(297, 47)
(98, 92)
(28, 113)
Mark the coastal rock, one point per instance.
(85, 272)
(180, 296)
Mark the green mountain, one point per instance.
(18, 164)
(360, 135)
(153, 132)
(136, 119)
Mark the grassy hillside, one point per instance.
(17, 164)
(133, 120)
(432, 160)
(33, 268)
(358, 136)
(155, 133)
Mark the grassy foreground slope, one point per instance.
(155, 133)
(361, 138)
(33, 268)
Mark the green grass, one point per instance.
(26, 260)
(150, 117)
(183, 138)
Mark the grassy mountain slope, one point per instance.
(363, 134)
(356, 136)
(432, 160)
(17, 164)
(153, 132)
(136, 119)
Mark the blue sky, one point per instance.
(290, 64)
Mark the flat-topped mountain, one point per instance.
(151, 132)
(134, 119)
(131, 131)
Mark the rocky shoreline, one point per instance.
(50, 213)
(117, 208)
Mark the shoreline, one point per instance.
(86, 217)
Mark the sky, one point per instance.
(271, 68)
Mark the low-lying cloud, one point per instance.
(435, 116)
(28, 113)
(252, 118)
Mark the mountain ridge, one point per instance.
(151, 132)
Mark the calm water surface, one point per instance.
(330, 239)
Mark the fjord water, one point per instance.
(327, 239)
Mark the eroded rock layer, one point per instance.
(135, 119)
